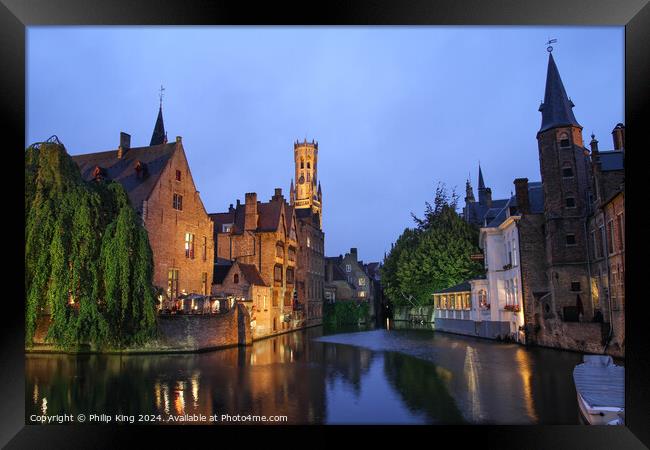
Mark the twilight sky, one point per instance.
(394, 109)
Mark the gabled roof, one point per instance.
(220, 272)
(269, 214)
(611, 160)
(461, 287)
(122, 170)
(557, 109)
(251, 274)
(535, 200)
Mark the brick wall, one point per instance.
(201, 332)
(167, 227)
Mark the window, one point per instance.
(514, 252)
(292, 254)
(570, 202)
(509, 252)
(610, 236)
(601, 248)
(482, 298)
(362, 281)
(204, 249)
(172, 283)
(309, 167)
(362, 294)
(575, 286)
(204, 283)
(619, 228)
(177, 202)
(189, 245)
(277, 273)
(275, 298)
(289, 275)
(571, 239)
(178, 175)
(564, 142)
(226, 227)
(302, 164)
(308, 242)
(567, 172)
(279, 250)
(348, 268)
(235, 278)
(308, 174)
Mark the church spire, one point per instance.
(481, 183)
(557, 108)
(159, 136)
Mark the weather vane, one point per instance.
(161, 94)
(550, 48)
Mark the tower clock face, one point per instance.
(301, 180)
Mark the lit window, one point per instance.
(189, 245)
(226, 228)
(362, 281)
(172, 283)
(308, 242)
(362, 294)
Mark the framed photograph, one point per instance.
(408, 219)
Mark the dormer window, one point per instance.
(235, 278)
(140, 170)
(98, 173)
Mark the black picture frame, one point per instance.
(18, 14)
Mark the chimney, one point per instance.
(488, 197)
(618, 134)
(278, 194)
(593, 144)
(125, 144)
(353, 252)
(230, 208)
(521, 193)
(250, 217)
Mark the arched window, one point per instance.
(564, 140)
(235, 279)
(302, 164)
(482, 298)
(308, 165)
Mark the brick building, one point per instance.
(568, 251)
(264, 236)
(348, 279)
(307, 199)
(159, 183)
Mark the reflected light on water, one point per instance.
(471, 373)
(157, 393)
(179, 398)
(524, 362)
(35, 396)
(165, 391)
(44, 406)
(195, 389)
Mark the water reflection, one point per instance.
(396, 376)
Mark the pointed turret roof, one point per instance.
(159, 136)
(481, 183)
(557, 109)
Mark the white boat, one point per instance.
(600, 386)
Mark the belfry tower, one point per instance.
(307, 192)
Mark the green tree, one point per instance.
(433, 255)
(85, 252)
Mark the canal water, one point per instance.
(396, 376)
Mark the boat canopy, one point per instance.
(600, 382)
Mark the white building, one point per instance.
(495, 307)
